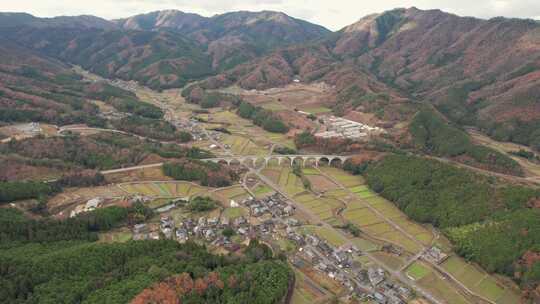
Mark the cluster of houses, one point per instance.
(338, 127)
(337, 263)
(274, 205)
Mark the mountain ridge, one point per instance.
(476, 72)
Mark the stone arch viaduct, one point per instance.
(303, 160)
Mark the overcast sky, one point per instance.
(334, 14)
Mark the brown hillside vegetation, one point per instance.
(476, 72)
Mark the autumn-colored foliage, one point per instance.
(171, 290)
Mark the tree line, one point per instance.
(208, 174)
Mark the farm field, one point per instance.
(145, 174)
(325, 233)
(262, 191)
(370, 223)
(417, 271)
(343, 177)
(391, 261)
(173, 189)
(233, 213)
(236, 193)
(365, 245)
(244, 128)
(479, 281)
(286, 180)
(305, 291)
(317, 110)
(324, 208)
(243, 146)
(70, 196)
(442, 289)
(320, 183)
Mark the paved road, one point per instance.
(131, 168)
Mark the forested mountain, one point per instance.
(231, 38)
(477, 72)
(483, 73)
(162, 49)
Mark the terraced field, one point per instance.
(342, 177)
(370, 212)
(324, 208)
(236, 193)
(442, 289)
(172, 189)
(479, 281)
(243, 146)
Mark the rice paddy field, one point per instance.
(285, 179)
(417, 271)
(261, 190)
(371, 213)
(243, 146)
(172, 189)
(365, 245)
(236, 193)
(480, 282)
(305, 291)
(343, 177)
(442, 289)
(324, 208)
(381, 220)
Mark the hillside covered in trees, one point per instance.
(50, 261)
(490, 224)
(208, 174)
(434, 136)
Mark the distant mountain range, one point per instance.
(483, 73)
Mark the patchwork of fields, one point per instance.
(225, 195)
(243, 146)
(479, 281)
(369, 212)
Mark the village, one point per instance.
(270, 220)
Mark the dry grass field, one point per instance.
(172, 189)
